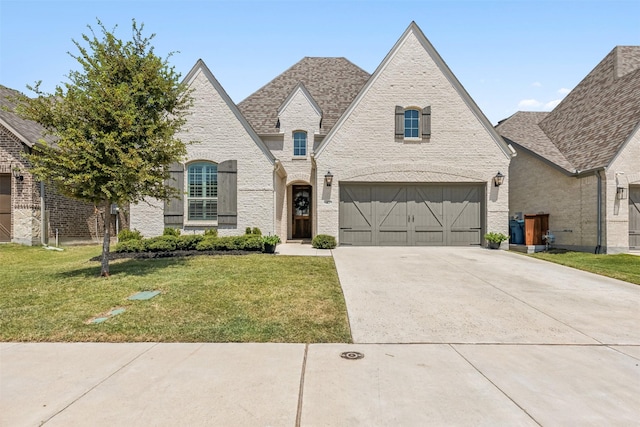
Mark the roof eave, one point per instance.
(200, 65)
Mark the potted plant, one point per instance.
(494, 239)
(269, 243)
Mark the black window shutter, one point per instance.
(399, 122)
(174, 208)
(228, 192)
(426, 122)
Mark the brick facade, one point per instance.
(75, 221)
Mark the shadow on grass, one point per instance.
(130, 267)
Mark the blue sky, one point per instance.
(510, 55)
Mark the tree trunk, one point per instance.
(107, 240)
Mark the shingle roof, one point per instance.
(593, 122)
(523, 130)
(28, 131)
(332, 82)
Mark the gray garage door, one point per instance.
(634, 217)
(410, 214)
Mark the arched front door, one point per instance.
(301, 211)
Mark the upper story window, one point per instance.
(411, 124)
(299, 143)
(202, 191)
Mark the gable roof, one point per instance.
(446, 71)
(300, 87)
(523, 130)
(29, 132)
(332, 82)
(201, 66)
(594, 121)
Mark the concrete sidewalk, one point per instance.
(312, 385)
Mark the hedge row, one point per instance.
(190, 242)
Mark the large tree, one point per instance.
(114, 124)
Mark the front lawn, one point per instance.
(52, 296)
(621, 266)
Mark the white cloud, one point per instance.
(529, 103)
(552, 104)
(563, 91)
(536, 84)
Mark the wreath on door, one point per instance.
(301, 203)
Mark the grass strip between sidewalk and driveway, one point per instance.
(620, 266)
(52, 296)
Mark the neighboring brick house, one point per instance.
(27, 206)
(580, 163)
(400, 157)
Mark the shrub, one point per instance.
(125, 235)
(230, 243)
(252, 243)
(132, 245)
(161, 244)
(271, 240)
(188, 242)
(256, 231)
(247, 230)
(171, 232)
(324, 241)
(212, 232)
(495, 237)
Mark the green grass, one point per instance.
(51, 296)
(622, 266)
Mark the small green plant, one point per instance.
(188, 242)
(255, 230)
(171, 232)
(271, 240)
(324, 241)
(125, 235)
(132, 245)
(495, 237)
(211, 232)
(161, 244)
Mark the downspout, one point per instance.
(42, 218)
(599, 214)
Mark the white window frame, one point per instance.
(207, 199)
(306, 144)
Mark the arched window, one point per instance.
(411, 124)
(299, 143)
(202, 191)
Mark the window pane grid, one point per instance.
(299, 144)
(203, 192)
(411, 124)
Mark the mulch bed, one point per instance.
(170, 254)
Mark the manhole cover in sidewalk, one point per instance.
(352, 355)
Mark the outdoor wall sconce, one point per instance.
(17, 174)
(328, 178)
(621, 193)
(498, 179)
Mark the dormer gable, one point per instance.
(299, 111)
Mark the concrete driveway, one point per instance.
(474, 295)
(450, 336)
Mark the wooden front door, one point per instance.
(301, 211)
(5, 208)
